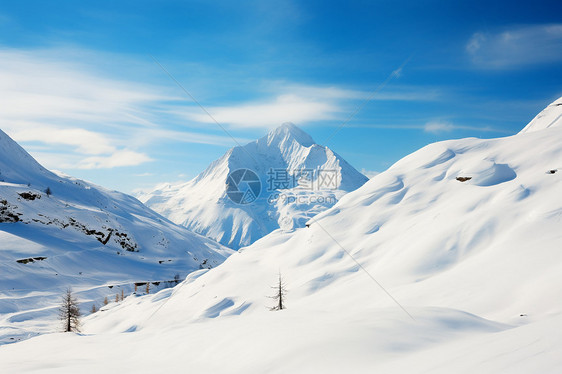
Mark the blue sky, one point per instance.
(81, 92)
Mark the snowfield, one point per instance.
(463, 234)
(278, 159)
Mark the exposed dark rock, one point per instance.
(8, 213)
(463, 179)
(29, 196)
(104, 241)
(31, 259)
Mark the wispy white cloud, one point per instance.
(50, 97)
(516, 47)
(123, 157)
(283, 108)
(302, 104)
(396, 92)
(185, 136)
(313, 92)
(85, 141)
(72, 115)
(438, 126)
(280, 102)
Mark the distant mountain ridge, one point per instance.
(58, 231)
(291, 168)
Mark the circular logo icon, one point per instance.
(243, 186)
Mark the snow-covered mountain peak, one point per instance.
(16, 165)
(297, 179)
(281, 147)
(288, 132)
(550, 117)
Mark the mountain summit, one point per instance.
(16, 165)
(278, 181)
(289, 132)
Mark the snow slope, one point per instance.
(464, 234)
(551, 116)
(203, 206)
(81, 236)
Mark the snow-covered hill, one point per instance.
(79, 235)
(297, 179)
(464, 234)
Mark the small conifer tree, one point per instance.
(279, 296)
(69, 312)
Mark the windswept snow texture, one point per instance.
(97, 241)
(202, 204)
(476, 264)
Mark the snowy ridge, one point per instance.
(551, 116)
(463, 233)
(80, 235)
(17, 166)
(202, 204)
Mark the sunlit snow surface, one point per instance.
(477, 264)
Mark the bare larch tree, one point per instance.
(69, 312)
(280, 293)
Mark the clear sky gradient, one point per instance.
(80, 90)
